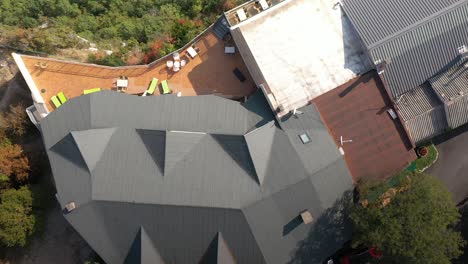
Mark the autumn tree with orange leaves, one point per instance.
(14, 165)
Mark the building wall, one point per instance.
(248, 57)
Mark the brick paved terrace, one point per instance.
(209, 72)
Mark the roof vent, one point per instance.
(304, 138)
(380, 66)
(306, 217)
(463, 51)
(70, 206)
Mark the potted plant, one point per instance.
(422, 151)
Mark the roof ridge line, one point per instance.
(417, 25)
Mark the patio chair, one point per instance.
(165, 87)
(56, 101)
(62, 97)
(91, 90)
(152, 86)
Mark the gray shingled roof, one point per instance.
(171, 173)
(143, 250)
(416, 38)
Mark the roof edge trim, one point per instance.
(28, 78)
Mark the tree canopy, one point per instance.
(16, 218)
(14, 165)
(411, 223)
(117, 25)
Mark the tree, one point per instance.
(16, 121)
(13, 163)
(16, 218)
(410, 223)
(108, 60)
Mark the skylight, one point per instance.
(304, 138)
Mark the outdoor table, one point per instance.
(176, 67)
(191, 51)
(122, 83)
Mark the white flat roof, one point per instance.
(303, 48)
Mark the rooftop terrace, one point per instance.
(209, 72)
(250, 9)
(298, 50)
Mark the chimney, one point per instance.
(70, 206)
(306, 217)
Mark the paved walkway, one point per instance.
(452, 165)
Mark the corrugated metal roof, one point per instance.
(377, 20)
(422, 113)
(418, 101)
(416, 39)
(452, 86)
(427, 125)
(205, 186)
(457, 112)
(452, 83)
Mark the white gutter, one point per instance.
(35, 93)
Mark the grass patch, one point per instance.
(423, 163)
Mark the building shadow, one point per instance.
(362, 79)
(329, 234)
(289, 227)
(215, 73)
(388, 104)
(258, 104)
(450, 134)
(356, 57)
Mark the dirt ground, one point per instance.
(58, 242)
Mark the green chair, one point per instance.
(56, 101)
(165, 87)
(62, 97)
(94, 90)
(153, 85)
